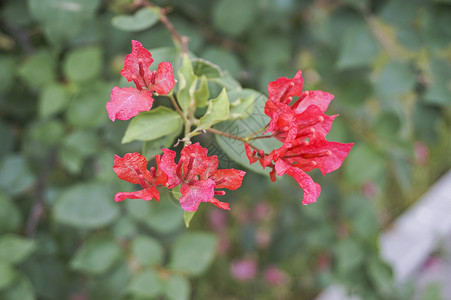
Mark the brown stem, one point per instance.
(38, 204)
(231, 136)
(177, 108)
(176, 36)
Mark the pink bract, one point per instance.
(199, 176)
(133, 168)
(301, 127)
(125, 103)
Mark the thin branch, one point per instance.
(176, 36)
(177, 108)
(232, 136)
(38, 204)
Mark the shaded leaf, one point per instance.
(145, 284)
(86, 206)
(147, 251)
(152, 125)
(15, 249)
(142, 19)
(218, 110)
(96, 255)
(193, 252)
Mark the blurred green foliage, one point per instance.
(388, 63)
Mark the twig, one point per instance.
(176, 36)
(21, 35)
(38, 204)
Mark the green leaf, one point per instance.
(242, 103)
(112, 285)
(202, 94)
(187, 217)
(227, 81)
(21, 290)
(234, 21)
(7, 70)
(358, 48)
(83, 64)
(177, 288)
(96, 255)
(15, 249)
(395, 79)
(218, 110)
(146, 284)
(202, 67)
(193, 252)
(364, 164)
(165, 217)
(62, 20)
(244, 127)
(152, 125)
(186, 84)
(38, 70)
(7, 274)
(147, 251)
(86, 206)
(155, 147)
(50, 132)
(439, 90)
(10, 216)
(76, 147)
(381, 275)
(15, 175)
(143, 19)
(53, 99)
(349, 256)
(87, 111)
(225, 59)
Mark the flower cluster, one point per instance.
(302, 127)
(127, 102)
(197, 173)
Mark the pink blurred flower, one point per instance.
(217, 220)
(275, 276)
(262, 238)
(262, 211)
(243, 269)
(421, 153)
(224, 244)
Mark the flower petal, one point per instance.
(318, 98)
(194, 161)
(125, 103)
(196, 192)
(250, 154)
(228, 178)
(283, 89)
(132, 168)
(305, 182)
(314, 118)
(328, 156)
(136, 65)
(147, 195)
(169, 167)
(164, 79)
(220, 204)
(160, 176)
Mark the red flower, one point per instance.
(301, 127)
(133, 168)
(127, 102)
(199, 176)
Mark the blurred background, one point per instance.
(388, 63)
